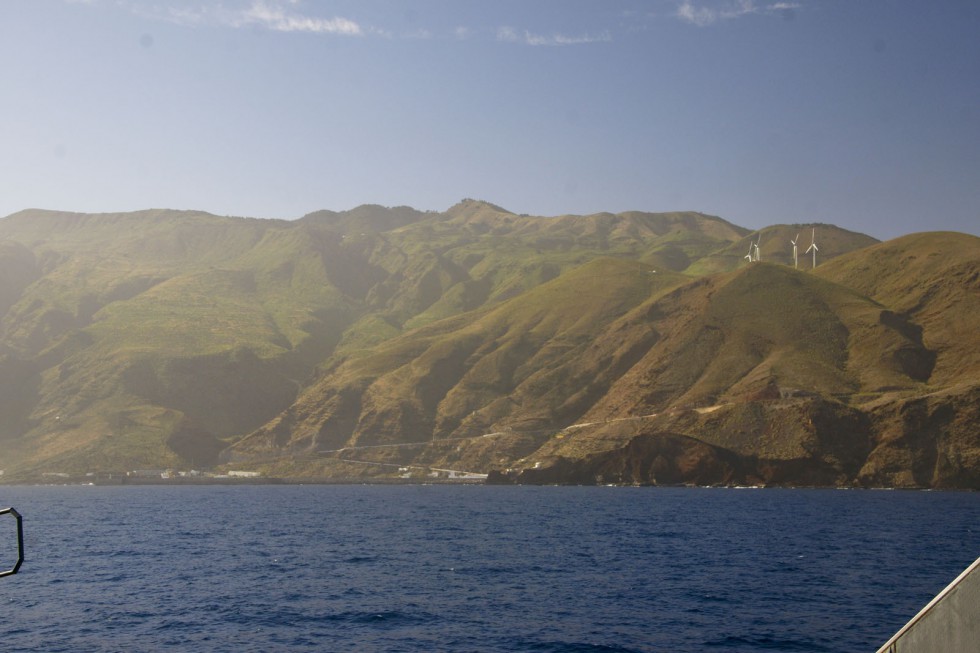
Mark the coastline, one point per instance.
(320, 480)
(312, 480)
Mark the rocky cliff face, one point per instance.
(906, 443)
(927, 441)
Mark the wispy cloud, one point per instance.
(294, 16)
(421, 34)
(186, 16)
(510, 34)
(565, 39)
(707, 13)
(506, 33)
(274, 17)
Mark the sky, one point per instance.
(860, 113)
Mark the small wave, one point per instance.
(353, 560)
(285, 618)
(571, 647)
(384, 619)
(764, 643)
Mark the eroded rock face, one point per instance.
(924, 442)
(931, 441)
(672, 459)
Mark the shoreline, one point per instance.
(319, 480)
(123, 481)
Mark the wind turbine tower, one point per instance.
(795, 250)
(813, 246)
(748, 257)
(756, 246)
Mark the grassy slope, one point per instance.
(756, 334)
(775, 246)
(464, 374)
(909, 370)
(933, 279)
(607, 341)
(157, 338)
(132, 315)
(931, 283)
(144, 326)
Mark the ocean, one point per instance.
(475, 568)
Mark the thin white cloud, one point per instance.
(186, 16)
(511, 35)
(506, 33)
(699, 16)
(564, 39)
(708, 13)
(289, 16)
(272, 16)
(421, 34)
(176, 13)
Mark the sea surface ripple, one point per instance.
(476, 568)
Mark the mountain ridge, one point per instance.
(565, 349)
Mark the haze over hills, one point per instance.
(629, 348)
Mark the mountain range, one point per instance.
(390, 342)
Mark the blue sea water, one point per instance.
(476, 568)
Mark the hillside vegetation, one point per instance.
(377, 342)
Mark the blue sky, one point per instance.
(861, 113)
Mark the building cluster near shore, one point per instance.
(244, 477)
(146, 475)
(169, 473)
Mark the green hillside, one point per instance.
(378, 342)
(932, 280)
(775, 245)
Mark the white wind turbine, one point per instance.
(813, 246)
(756, 246)
(748, 257)
(795, 250)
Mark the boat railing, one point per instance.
(20, 541)
(950, 622)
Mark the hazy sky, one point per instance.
(862, 113)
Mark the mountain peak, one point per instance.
(366, 218)
(468, 206)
